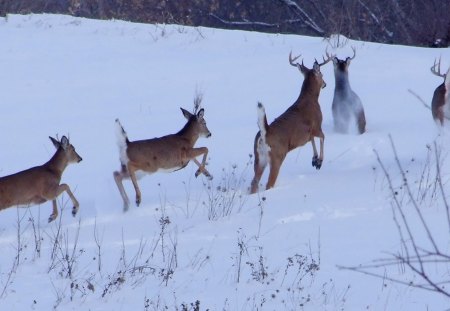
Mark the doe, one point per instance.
(40, 184)
(299, 124)
(163, 154)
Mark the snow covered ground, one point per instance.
(276, 250)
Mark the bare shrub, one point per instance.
(425, 263)
(227, 194)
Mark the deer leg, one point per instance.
(261, 160)
(317, 159)
(55, 211)
(65, 187)
(275, 166)
(118, 177)
(201, 169)
(259, 170)
(131, 172)
(195, 152)
(361, 122)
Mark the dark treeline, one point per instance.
(410, 22)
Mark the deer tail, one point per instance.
(122, 142)
(262, 121)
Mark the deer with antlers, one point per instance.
(298, 125)
(164, 154)
(40, 184)
(347, 109)
(440, 104)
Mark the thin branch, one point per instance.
(375, 18)
(399, 207)
(308, 20)
(385, 277)
(411, 196)
(438, 176)
(243, 23)
(422, 101)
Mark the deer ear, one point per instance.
(186, 113)
(64, 142)
(303, 69)
(201, 113)
(55, 142)
(316, 66)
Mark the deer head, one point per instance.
(68, 150)
(313, 74)
(197, 121)
(343, 64)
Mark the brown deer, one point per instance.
(164, 154)
(299, 124)
(440, 104)
(40, 184)
(347, 109)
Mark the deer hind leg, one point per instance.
(131, 172)
(275, 165)
(361, 122)
(118, 177)
(259, 167)
(195, 152)
(318, 158)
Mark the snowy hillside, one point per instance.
(191, 239)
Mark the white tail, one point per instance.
(347, 108)
(440, 103)
(41, 183)
(122, 141)
(299, 124)
(168, 153)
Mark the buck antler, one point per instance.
(354, 54)
(292, 60)
(438, 72)
(329, 57)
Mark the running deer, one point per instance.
(347, 109)
(299, 124)
(40, 184)
(440, 104)
(164, 154)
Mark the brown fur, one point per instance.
(438, 101)
(40, 184)
(170, 153)
(298, 125)
(437, 104)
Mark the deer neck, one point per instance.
(188, 132)
(341, 79)
(309, 90)
(58, 162)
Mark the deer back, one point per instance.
(168, 152)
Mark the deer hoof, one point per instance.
(138, 201)
(74, 211)
(316, 162)
(197, 173)
(51, 218)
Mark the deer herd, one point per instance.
(299, 124)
